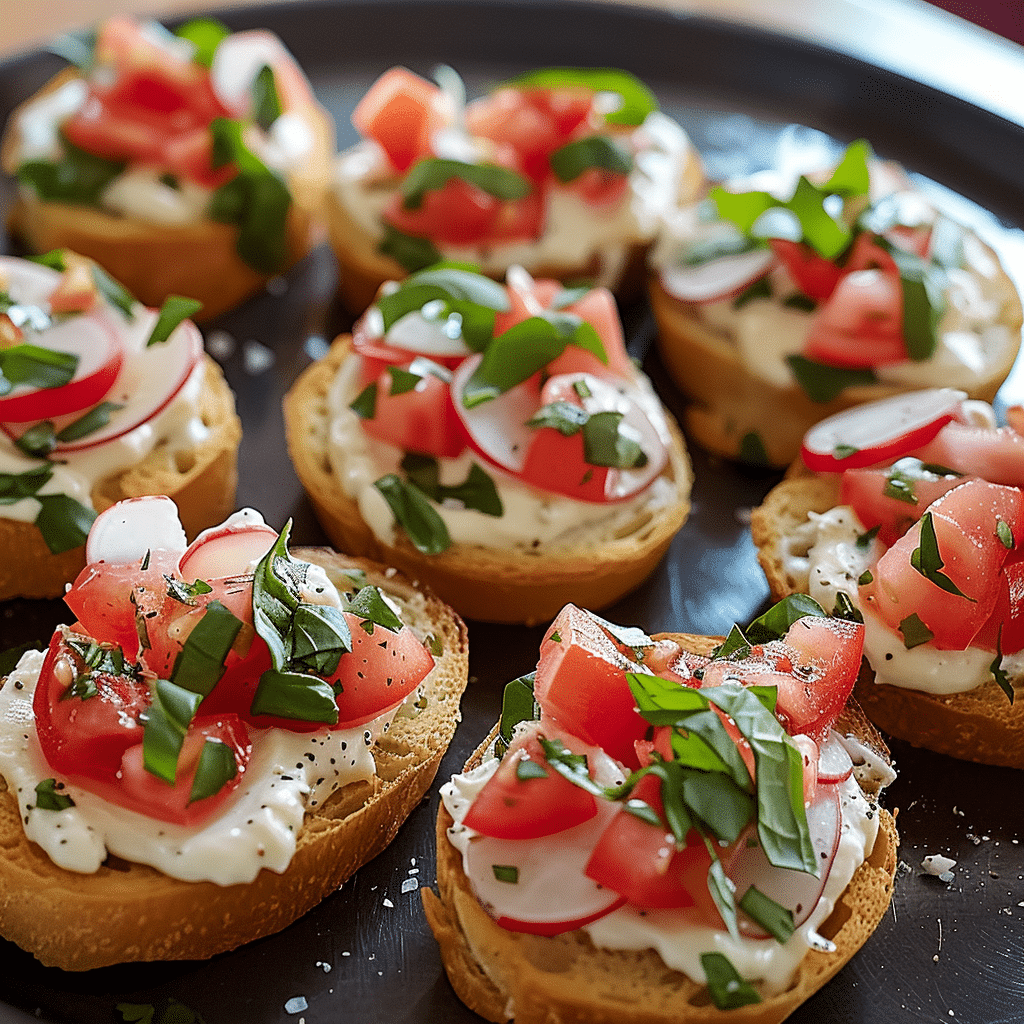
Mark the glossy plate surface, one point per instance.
(949, 952)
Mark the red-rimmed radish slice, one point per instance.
(150, 379)
(834, 761)
(550, 893)
(797, 891)
(127, 531)
(879, 432)
(228, 549)
(100, 352)
(717, 279)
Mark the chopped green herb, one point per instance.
(506, 873)
(39, 440)
(844, 608)
(369, 604)
(167, 722)
(594, 151)
(63, 522)
(822, 383)
(866, 577)
(760, 289)
(50, 796)
(295, 695)
(185, 593)
(517, 705)
(637, 100)
(774, 919)
(928, 562)
(725, 986)
(174, 311)
(900, 486)
(433, 173)
(97, 417)
(865, 539)
(78, 177)
(408, 251)
(414, 513)
(527, 769)
(1005, 534)
(1000, 676)
(113, 291)
(35, 366)
(201, 663)
(752, 449)
(844, 451)
(266, 102)
(364, 405)
(205, 34)
(914, 631)
(402, 381)
(217, 767)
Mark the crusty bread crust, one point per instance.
(729, 402)
(129, 912)
(197, 260)
(201, 480)
(565, 979)
(978, 725)
(488, 584)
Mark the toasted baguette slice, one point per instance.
(128, 912)
(533, 979)
(152, 261)
(730, 404)
(977, 725)
(201, 480)
(489, 584)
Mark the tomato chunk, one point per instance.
(995, 455)
(814, 275)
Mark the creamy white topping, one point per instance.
(575, 232)
(533, 522)
(672, 935)
(179, 425)
(288, 774)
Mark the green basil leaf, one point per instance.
(402, 381)
(852, 176)
(15, 486)
(320, 636)
(167, 722)
(518, 704)
(643, 811)
(295, 696)
(822, 383)
(63, 522)
(741, 208)
(77, 178)
(364, 405)
(718, 802)
(573, 767)
(864, 539)
(604, 443)
(923, 303)
(866, 577)
(752, 450)
(113, 291)
(200, 664)
(899, 485)
(414, 513)
(761, 289)
(369, 605)
(819, 230)
(256, 200)
(565, 417)
(773, 918)
(55, 259)
(844, 608)
(800, 301)
(50, 796)
(205, 34)
(216, 768)
(35, 366)
(266, 103)
(176, 308)
(274, 600)
(774, 623)
(928, 562)
(568, 162)
(506, 873)
(39, 440)
(844, 451)
(433, 173)
(408, 251)
(477, 492)
(1005, 534)
(727, 988)
(186, 593)
(637, 100)
(914, 631)
(98, 416)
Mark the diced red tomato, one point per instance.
(814, 275)
(85, 737)
(601, 188)
(995, 455)
(965, 522)
(640, 861)
(864, 490)
(401, 111)
(420, 420)
(581, 685)
(514, 804)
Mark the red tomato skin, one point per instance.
(864, 491)
(458, 214)
(964, 520)
(994, 455)
(84, 740)
(1004, 631)
(509, 807)
(581, 685)
(814, 275)
(400, 112)
(640, 861)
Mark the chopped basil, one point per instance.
(105, 658)
(760, 289)
(565, 417)
(205, 34)
(320, 636)
(266, 102)
(773, 918)
(637, 101)
(113, 291)
(735, 645)
(364, 405)
(1005, 534)
(643, 811)
(604, 443)
(370, 606)
(402, 381)
(527, 770)
(39, 440)
(63, 522)
(774, 623)
(852, 176)
(477, 492)
(296, 696)
(15, 486)
(1002, 680)
(844, 451)
(866, 577)
(256, 199)
(914, 631)
(864, 539)
(414, 513)
(506, 873)
(167, 722)
(923, 303)
(727, 989)
(98, 416)
(201, 662)
(433, 173)
(78, 177)
(752, 450)
(217, 767)
(594, 151)
(518, 704)
(185, 593)
(35, 366)
(408, 251)
(176, 308)
(49, 796)
(800, 301)
(900, 486)
(822, 383)
(928, 562)
(844, 608)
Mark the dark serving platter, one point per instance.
(946, 951)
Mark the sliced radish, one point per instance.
(229, 549)
(125, 532)
(879, 432)
(717, 279)
(834, 761)
(797, 891)
(550, 894)
(150, 379)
